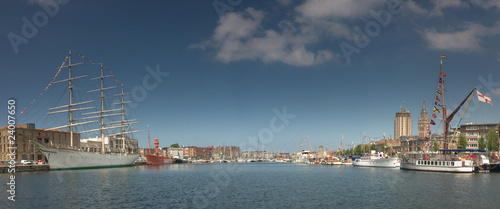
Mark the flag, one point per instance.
(483, 98)
(444, 56)
(441, 87)
(443, 74)
(437, 110)
(434, 115)
(439, 93)
(437, 104)
(433, 123)
(437, 98)
(426, 139)
(440, 80)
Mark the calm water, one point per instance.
(252, 185)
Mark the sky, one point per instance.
(204, 73)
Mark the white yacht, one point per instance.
(376, 160)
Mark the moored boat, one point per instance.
(448, 160)
(376, 160)
(157, 158)
(76, 158)
(444, 162)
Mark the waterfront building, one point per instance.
(472, 132)
(402, 123)
(176, 152)
(111, 144)
(204, 153)
(28, 151)
(189, 151)
(423, 122)
(420, 144)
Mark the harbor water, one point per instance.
(251, 185)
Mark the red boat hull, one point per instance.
(158, 160)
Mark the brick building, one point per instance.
(402, 123)
(27, 150)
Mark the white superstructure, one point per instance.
(376, 160)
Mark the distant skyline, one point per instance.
(223, 72)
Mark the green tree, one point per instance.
(176, 145)
(372, 147)
(491, 140)
(357, 150)
(462, 143)
(481, 143)
(435, 147)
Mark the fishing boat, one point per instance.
(448, 160)
(375, 159)
(75, 158)
(157, 158)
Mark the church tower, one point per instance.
(423, 122)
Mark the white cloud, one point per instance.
(338, 8)
(437, 9)
(414, 8)
(496, 92)
(468, 39)
(240, 36)
(487, 4)
(439, 5)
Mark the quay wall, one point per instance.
(25, 168)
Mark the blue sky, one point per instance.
(233, 65)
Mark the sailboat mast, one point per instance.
(102, 113)
(70, 89)
(445, 124)
(364, 145)
(149, 143)
(123, 122)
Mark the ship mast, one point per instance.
(70, 109)
(447, 119)
(445, 124)
(149, 143)
(101, 115)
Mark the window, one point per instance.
(471, 128)
(471, 133)
(472, 139)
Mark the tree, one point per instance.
(372, 147)
(357, 150)
(435, 147)
(176, 145)
(491, 140)
(481, 143)
(462, 143)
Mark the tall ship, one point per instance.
(447, 160)
(375, 159)
(157, 158)
(73, 157)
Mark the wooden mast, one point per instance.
(445, 124)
